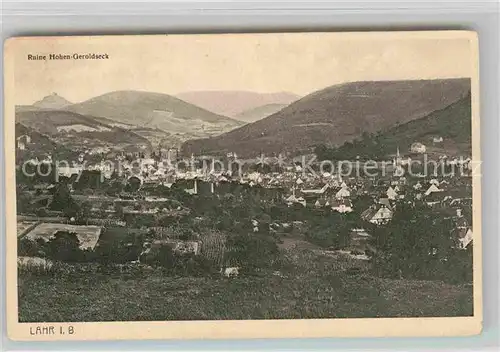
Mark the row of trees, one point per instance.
(420, 243)
(367, 147)
(65, 247)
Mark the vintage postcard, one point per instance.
(266, 185)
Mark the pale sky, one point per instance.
(300, 63)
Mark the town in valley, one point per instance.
(302, 200)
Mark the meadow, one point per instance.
(308, 285)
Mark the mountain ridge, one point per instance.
(450, 126)
(234, 102)
(259, 112)
(62, 124)
(334, 115)
(157, 111)
(53, 101)
(135, 100)
(170, 120)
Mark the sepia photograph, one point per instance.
(307, 178)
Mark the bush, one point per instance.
(28, 248)
(177, 264)
(125, 250)
(162, 256)
(190, 264)
(41, 212)
(64, 246)
(35, 266)
(251, 251)
(418, 244)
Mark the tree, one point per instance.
(61, 199)
(140, 220)
(103, 208)
(41, 212)
(252, 251)
(72, 210)
(24, 201)
(329, 230)
(417, 243)
(119, 211)
(164, 257)
(115, 187)
(161, 256)
(64, 246)
(84, 212)
(27, 247)
(322, 152)
(133, 184)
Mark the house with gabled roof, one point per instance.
(23, 141)
(463, 230)
(461, 201)
(342, 192)
(434, 199)
(377, 215)
(386, 203)
(293, 199)
(464, 237)
(342, 205)
(321, 203)
(301, 201)
(432, 189)
(315, 191)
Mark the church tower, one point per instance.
(398, 162)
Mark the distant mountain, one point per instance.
(335, 115)
(155, 110)
(49, 102)
(259, 112)
(52, 121)
(452, 124)
(232, 103)
(22, 108)
(52, 101)
(114, 123)
(72, 128)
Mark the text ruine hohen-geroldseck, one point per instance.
(72, 56)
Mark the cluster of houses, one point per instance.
(293, 186)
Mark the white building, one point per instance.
(23, 141)
(432, 189)
(391, 193)
(464, 237)
(343, 192)
(378, 216)
(292, 199)
(417, 148)
(341, 206)
(314, 191)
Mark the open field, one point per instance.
(154, 297)
(314, 289)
